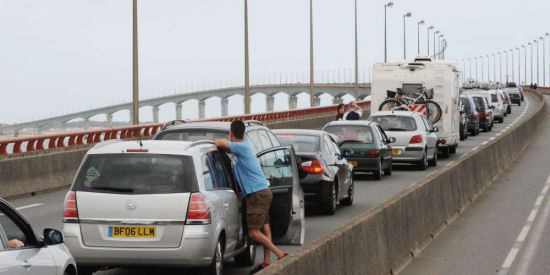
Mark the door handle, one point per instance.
(26, 264)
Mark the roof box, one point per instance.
(423, 58)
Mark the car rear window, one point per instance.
(137, 174)
(395, 123)
(193, 135)
(351, 132)
(494, 98)
(478, 101)
(301, 143)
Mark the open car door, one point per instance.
(287, 215)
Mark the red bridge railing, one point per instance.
(44, 142)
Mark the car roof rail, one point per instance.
(253, 122)
(201, 142)
(107, 142)
(172, 123)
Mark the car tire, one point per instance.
(444, 152)
(86, 270)
(70, 270)
(452, 149)
(248, 256)
(378, 174)
(388, 171)
(216, 267)
(433, 161)
(423, 163)
(349, 200)
(330, 203)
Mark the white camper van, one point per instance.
(440, 75)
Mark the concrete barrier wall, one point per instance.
(39, 172)
(384, 239)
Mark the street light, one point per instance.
(356, 58)
(537, 42)
(494, 67)
(463, 70)
(476, 68)
(488, 69)
(482, 73)
(408, 14)
(506, 52)
(428, 38)
(246, 63)
(546, 34)
(421, 22)
(524, 63)
(513, 76)
(470, 71)
(500, 67)
(439, 46)
(531, 44)
(135, 79)
(543, 62)
(387, 5)
(435, 34)
(519, 65)
(311, 68)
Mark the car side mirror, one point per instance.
(392, 140)
(435, 129)
(347, 153)
(52, 237)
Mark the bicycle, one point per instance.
(396, 100)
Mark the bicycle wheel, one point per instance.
(433, 111)
(389, 104)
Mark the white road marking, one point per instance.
(539, 200)
(533, 215)
(485, 142)
(28, 206)
(449, 164)
(510, 258)
(473, 149)
(523, 234)
(491, 138)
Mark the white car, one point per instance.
(415, 138)
(500, 109)
(36, 255)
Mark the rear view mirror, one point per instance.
(347, 153)
(392, 140)
(52, 237)
(435, 129)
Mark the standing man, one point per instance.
(355, 112)
(257, 194)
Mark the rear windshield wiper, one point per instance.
(351, 141)
(115, 189)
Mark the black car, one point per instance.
(470, 111)
(325, 174)
(256, 133)
(369, 145)
(483, 113)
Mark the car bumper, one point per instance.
(365, 164)
(408, 153)
(196, 249)
(316, 191)
(516, 100)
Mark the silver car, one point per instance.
(173, 203)
(416, 141)
(45, 255)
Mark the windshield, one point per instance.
(301, 143)
(511, 90)
(494, 98)
(478, 101)
(351, 132)
(395, 123)
(137, 174)
(193, 135)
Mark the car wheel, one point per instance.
(423, 163)
(330, 204)
(86, 270)
(69, 271)
(349, 200)
(387, 171)
(248, 256)
(444, 152)
(433, 161)
(216, 267)
(378, 174)
(452, 149)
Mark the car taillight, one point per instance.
(482, 115)
(70, 212)
(198, 211)
(312, 166)
(442, 141)
(373, 153)
(416, 139)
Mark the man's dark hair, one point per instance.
(353, 116)
(237, 129)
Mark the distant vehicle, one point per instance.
(259, 136)
(488, 103)
(440, 75)
(508, 102)
(482, 109)
(39, 255)
(471, 112)
(505, 103)
(369, 146)
(415, 139)
(172, 203)
(463, 121)
(514, 95)
(499, 110)
(325, 174)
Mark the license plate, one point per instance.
(132, 231)
(353, 162)
(396, 152)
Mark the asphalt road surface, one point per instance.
(505, 231)
(45, 210)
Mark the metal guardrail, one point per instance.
(45, 142)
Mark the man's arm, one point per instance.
(222, 143)
(15, 243)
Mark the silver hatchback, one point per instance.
(172, 203)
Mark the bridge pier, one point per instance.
(202, 107)
(270, 103)
(317, 101)
(292, 102)
(337, 100)
(224, 105)
(155, 114)
(178, 111)
(110, 117)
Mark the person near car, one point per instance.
(341, 109)
(355, 111)
(254, 186)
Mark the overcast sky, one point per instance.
(60, 56)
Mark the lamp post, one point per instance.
(544, 60)
(476, 68)
(428, 39)
(470, 71)
(246, 63)
(500, 67)
(513, 76)
(311, 68)
(482, 73)
(488, 69)
(356, 58)
(531, 44)
(408, 14)
(135, 79)
(519, 65)
(435, 34)
(421, 22)
(506, 52)
(524, 63)
(463, 70)
(386, 6)
(544, 54)
(538, 74)
(494, 67)
(439, 46)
